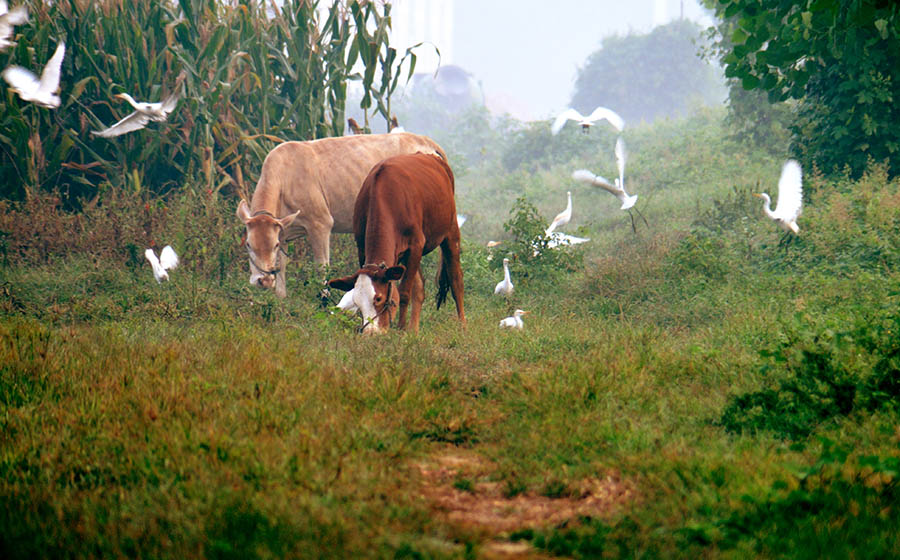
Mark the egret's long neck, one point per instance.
(767, 206)
(506, 272)
(569, 203)
(129, 99)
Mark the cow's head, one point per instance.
(373, 294)
(265, 234)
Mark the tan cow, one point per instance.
(312, 186)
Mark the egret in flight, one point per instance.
(514, 322)
(143, 114)
(167, 261)
(505, 286)
(616, 189)
(600, 113)
(790, 198)
(41, 91)
(9, 19)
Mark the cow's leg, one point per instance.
(281, 276)
(320, 242)
(450, 257)
(417, 285)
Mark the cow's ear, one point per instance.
(289, 219)
(346, 283)
(394, 272)
(243, 211)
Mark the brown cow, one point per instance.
(405, 210)
(312, 186)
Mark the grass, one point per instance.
(203, 418)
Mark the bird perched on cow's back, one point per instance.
(354, 126)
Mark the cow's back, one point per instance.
(409, 192)
(323, 177)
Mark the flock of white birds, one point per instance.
(42, 91)
(787, 210)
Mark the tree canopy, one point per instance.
(839, 59)
(648, 76)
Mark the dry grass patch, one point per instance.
(458, 486)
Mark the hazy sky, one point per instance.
(526, 53)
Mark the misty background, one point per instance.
(521, 57)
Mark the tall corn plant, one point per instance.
(254, 74)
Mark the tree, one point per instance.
(839, 59)
(648, 76)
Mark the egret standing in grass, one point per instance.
(143, 113)
(600, 113)
(41, 91)
(790, 198)
(505, 286)
(514, 322)
(167, 260)
(563, 217)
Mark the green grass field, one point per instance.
(691, 389)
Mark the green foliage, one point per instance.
(251, 79)
(645, 77)
(835, 508)
(530, 254)
(841, 63)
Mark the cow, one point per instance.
(405, 209)
(312, 186)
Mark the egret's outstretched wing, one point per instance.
(586, 176)
(167, 258)
(134, 121)
(608, 114)
(562, 118)
(169, 103)
(22, 80)
(790, 192)
(50, 75)
(621, 156)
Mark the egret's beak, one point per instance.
(118, 96)
(757, 195)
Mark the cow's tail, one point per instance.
(443, 282)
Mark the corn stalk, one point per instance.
(254, 75)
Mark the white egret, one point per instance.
(505, 286)
(790, 197)
(600, 113)
(563, 217)
(461, 219)
(616, 190)
(41, 91)
(493, 243)
(395, 126)
(8, 19)
(558, 238)
(621, 156)
(514, 322)
(143, 114)
(167, 260)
